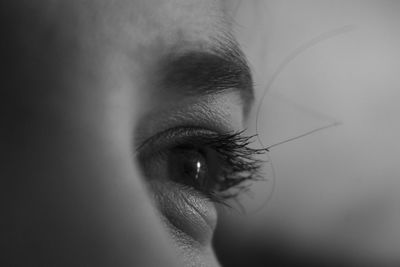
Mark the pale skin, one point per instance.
(80, 91)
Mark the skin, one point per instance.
(80, 90)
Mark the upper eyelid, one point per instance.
(205, 112)
(202, 136)
(170, 135)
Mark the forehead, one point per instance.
(179, 20)
(155, 27)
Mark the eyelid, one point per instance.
(173, 137)
(221, 114)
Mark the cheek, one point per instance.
(74, 193)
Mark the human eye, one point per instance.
(218, 166)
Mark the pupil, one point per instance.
(188, 166)
(192, 168)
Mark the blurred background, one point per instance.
(336, 196)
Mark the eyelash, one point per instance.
(237, 159)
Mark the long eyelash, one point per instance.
(240, 164)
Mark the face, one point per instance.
(123, 131)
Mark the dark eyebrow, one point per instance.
(197, 72)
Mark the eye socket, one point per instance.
(214, 164)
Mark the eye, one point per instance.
(216, 165)
(201, 168)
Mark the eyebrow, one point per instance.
(212, 71)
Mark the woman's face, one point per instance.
(115, 114)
